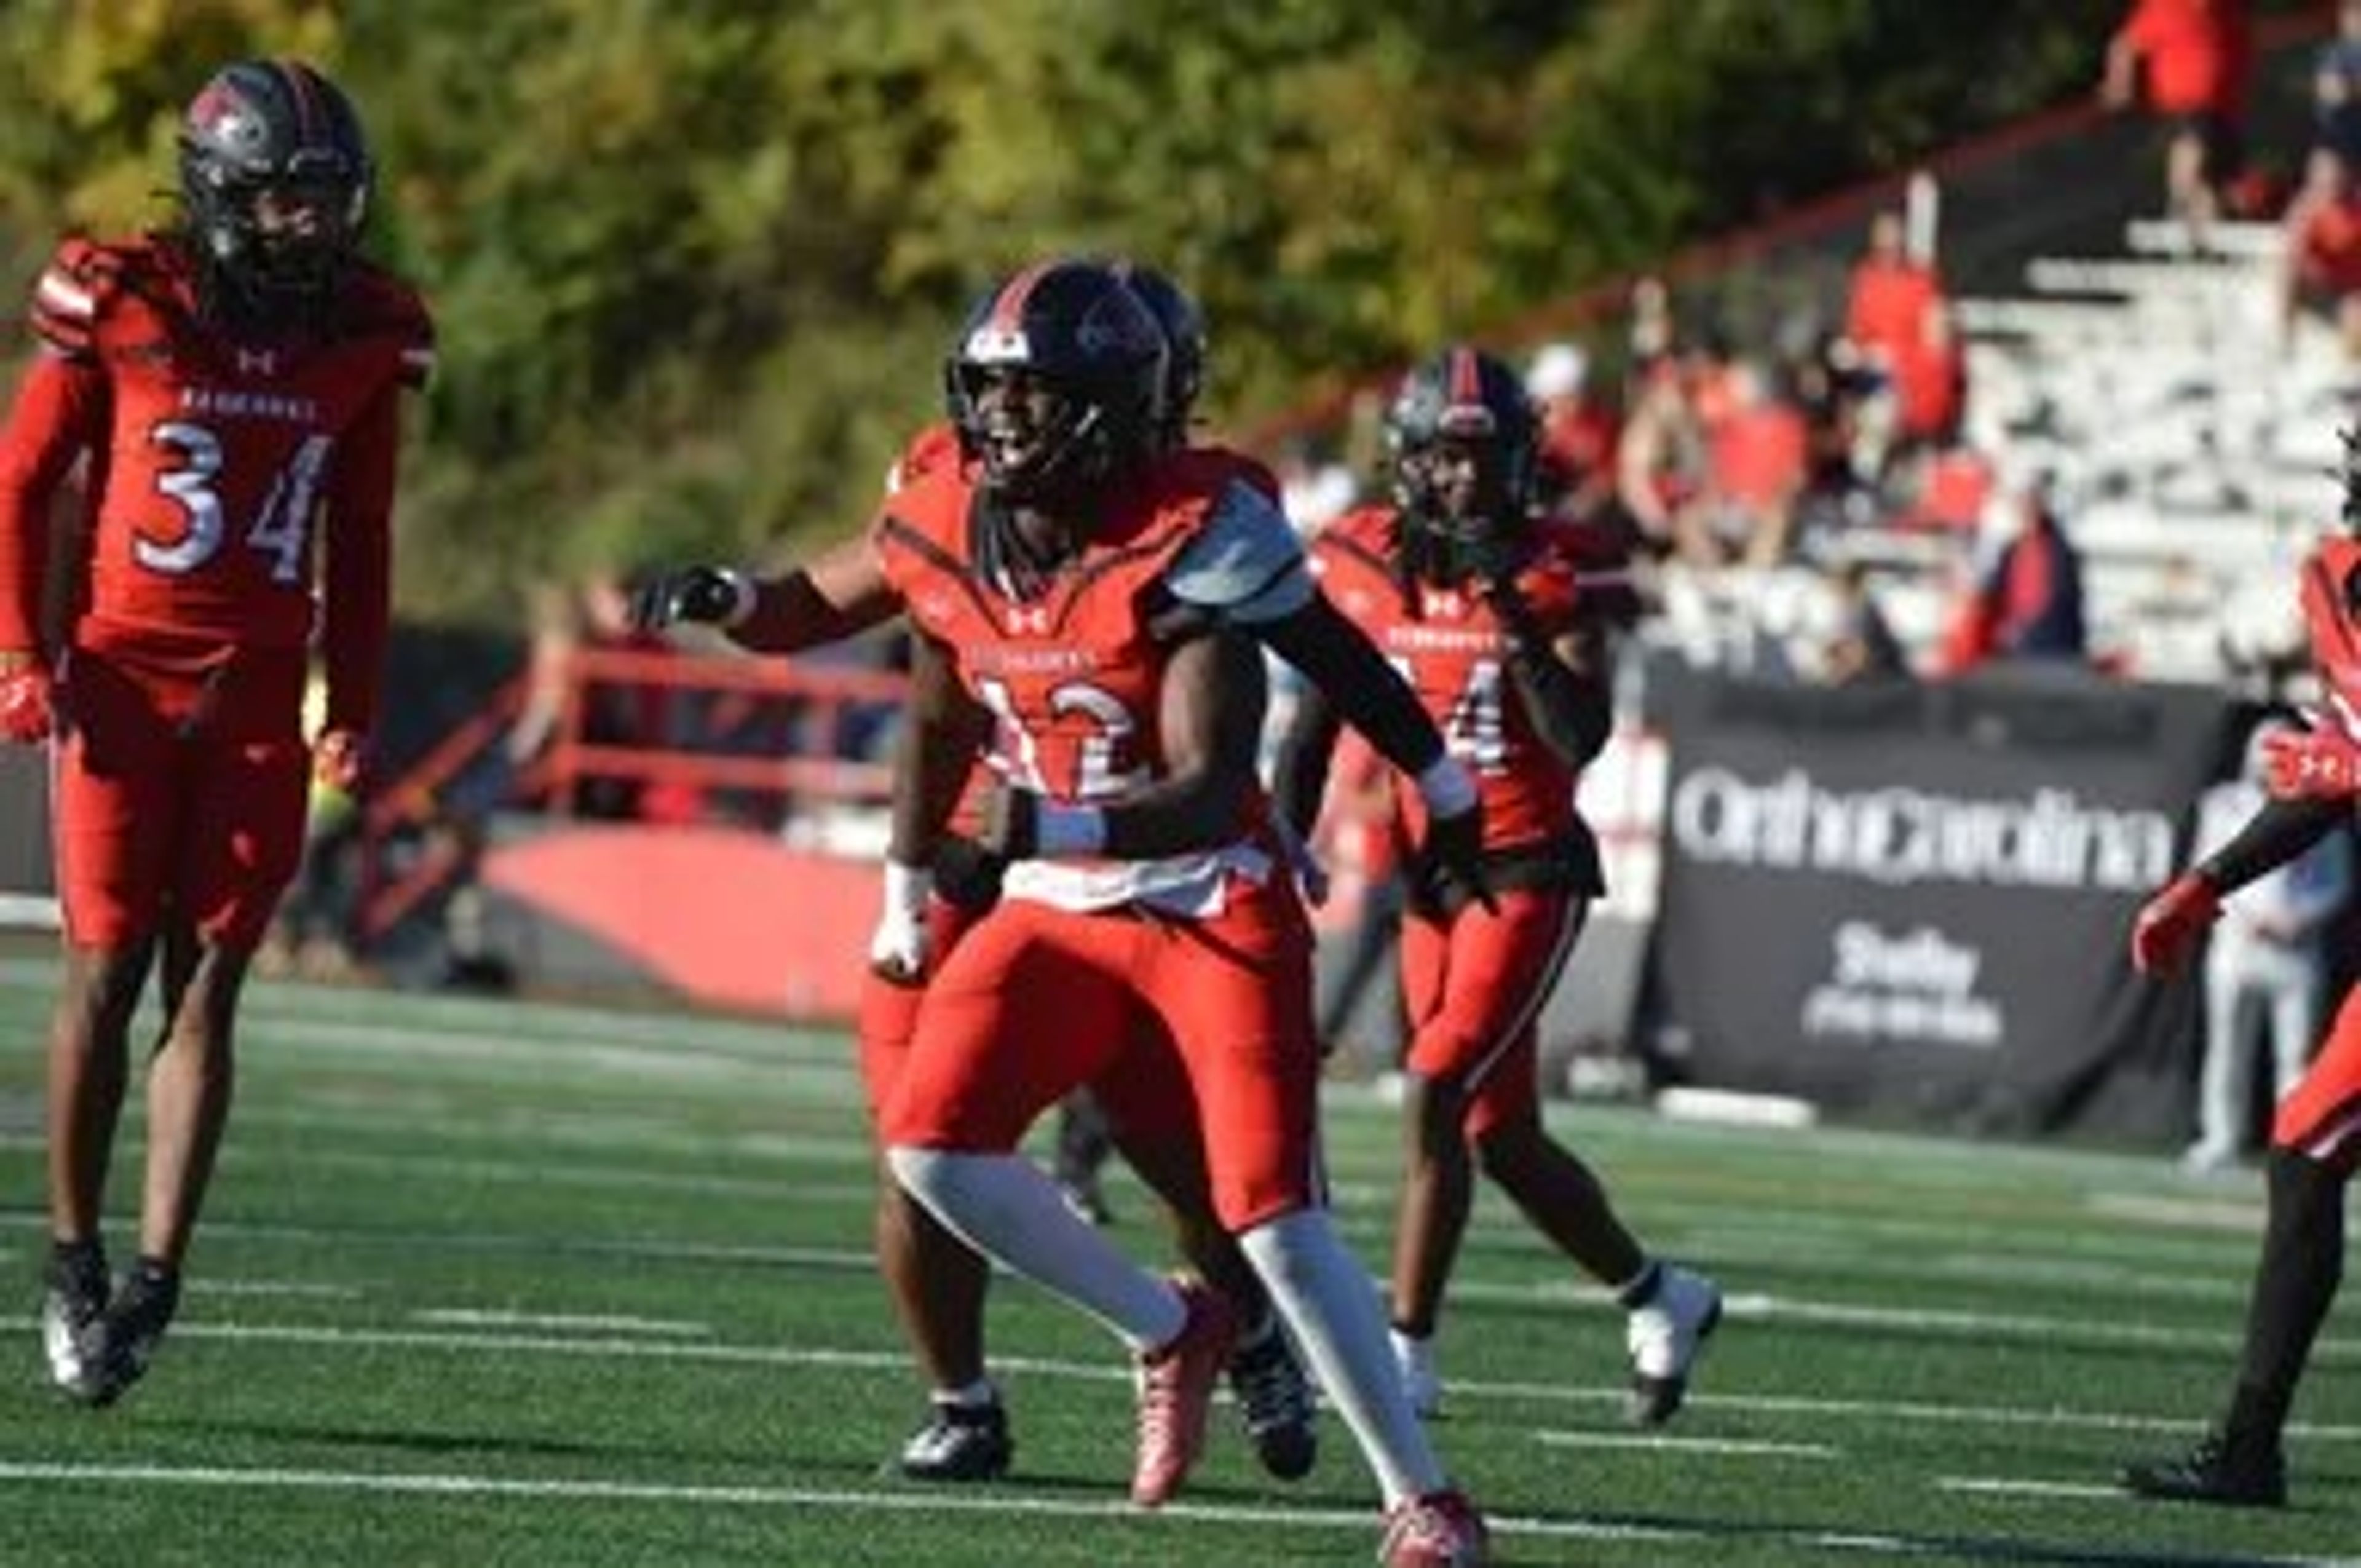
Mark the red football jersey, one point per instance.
(217, 463)
(1072, 676)
(1452, 649)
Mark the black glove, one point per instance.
(706, 595)
(1493, 559)
(1454, 850)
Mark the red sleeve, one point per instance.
(59, 412)
(358, 598)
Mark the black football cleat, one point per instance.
(2248, 1475)
(959, 1443)
(1275, 1405)
(73, 1295)
(117, 1348)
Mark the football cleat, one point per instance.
(2233, 1473)
(1275, 1404)
(1435, 1530)
(73, 1295)
(1665, 1334)
(1176, 1394)
(117, 1347)
(959, 1443)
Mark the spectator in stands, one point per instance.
(1756, 465)
(1861, 644)
(2336, 86)
(1660, 455)
(2024, 599)
(1889, 295)
(1828, 388)
(1898, 327)
(1579, 430)
(2269, 953)
(2187, 62)
(2320, 262)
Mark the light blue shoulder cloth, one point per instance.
(1247, 566)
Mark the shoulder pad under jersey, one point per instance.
(376, 304)
(1245, 563)
(73, 291)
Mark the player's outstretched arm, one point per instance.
(835, 595)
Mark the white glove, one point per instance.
(897, 948)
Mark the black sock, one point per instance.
(76, 1254)
(1643, 1291)
(82, 1262)
(2303, 1262)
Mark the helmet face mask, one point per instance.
(1057, 382)
(1464, 448)
(275, 184)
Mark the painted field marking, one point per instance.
(1729, 1447)
(1114, 1370)
(474, 1317)
(2014, 1486)
(937, 1501)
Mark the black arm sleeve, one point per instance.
(2277, 834)
(1368, 693)
(1571, 713)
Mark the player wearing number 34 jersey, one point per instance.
(228, 390)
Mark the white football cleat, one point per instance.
(1665, 1334)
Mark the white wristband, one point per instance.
(742, 598)
(1446, 787)
(898, 946)
(907, 887)
(1062, 829)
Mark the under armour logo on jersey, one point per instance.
(1028, 620)
(258, 362)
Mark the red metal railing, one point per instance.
(418, 803)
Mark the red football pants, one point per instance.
(2321, 1115)
(1036, 1000)
(179, 796)
(1474, 986)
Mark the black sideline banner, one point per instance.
(1911, 901)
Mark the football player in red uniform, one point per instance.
(1484, 610)
(938, 1284)
(2314, 778)
(232, 388)
(1079, 599)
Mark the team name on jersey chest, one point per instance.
(992, 660)
(229, 403)
(1425, 637)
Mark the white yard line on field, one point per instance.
(1005, 1504)
(1114, 1370)
(2014, 1487)
(1731, 1447)
(479, 1318)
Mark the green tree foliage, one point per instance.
(695, 261)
